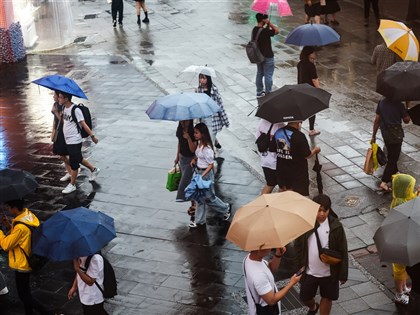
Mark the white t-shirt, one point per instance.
(316, 267)
(259, 280)
(268, 159)
(90, 295)
(205, 156)
(71, 134)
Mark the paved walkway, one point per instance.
(162, 266)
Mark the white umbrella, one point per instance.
(192, 72)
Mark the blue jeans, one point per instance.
(265, 69)
(210, 199)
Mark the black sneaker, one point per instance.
(115, 24)
(218, 146)
(228, 213)
(145, 20)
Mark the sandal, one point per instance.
(384, 187)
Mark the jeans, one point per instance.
(210, 199)
(266, 70)
(186, 175)
(393, 155)
(24, 293)
(117, 7)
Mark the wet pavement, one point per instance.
(163, 267)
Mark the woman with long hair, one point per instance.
(307, 74)
(203, 163)
(216, 122)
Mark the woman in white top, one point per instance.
(203, 163)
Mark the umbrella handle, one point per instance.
(252, 111)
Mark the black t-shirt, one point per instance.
(292, 151)
(264, 41)
(391, 113)
(306, 72)
(184, 149)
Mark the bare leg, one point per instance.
(317, 19)
(267, 189)
(74, 174)
(65, 159)
(87, 164)
(325, 306)
(138, 8)
(311, 304)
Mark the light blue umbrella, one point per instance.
(312, 35)
(182, 106)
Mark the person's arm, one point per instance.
(177, 154)
(89, 131)
(85, 278)
(192, 145)
(314, 151)
(276, 259)
(73, 289)
(272, 26)
(208, 169)
(272, 297)
(376, 123)
(12, 240)
(316, 82)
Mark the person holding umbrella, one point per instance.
(307, 74)
(18, 243)
(389, 115)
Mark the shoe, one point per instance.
(217, 145)
(65, 177)
(335, 22)
(120, 24)
(69, 189)
(384, 187)
(138, 20)
(262, 94)
(314, 132)
(94, 174)
(401, 298)
(315, 311)
(228, 213)
(145, 20)
(181, 200)
(115, 24)
(192, 224)
(407, 291)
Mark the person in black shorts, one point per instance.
(140, 4)
(318, 274)
(313, 9)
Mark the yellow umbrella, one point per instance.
(272, 221)
(400, 39)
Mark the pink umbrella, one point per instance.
(262, 6)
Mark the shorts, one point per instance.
(313, 10)
(398, 272)
(75, 155)
(328, 287)
(270, 176)
(60, 146)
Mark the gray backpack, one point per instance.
(253, 52)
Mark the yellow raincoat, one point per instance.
(19, 239)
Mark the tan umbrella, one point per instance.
(272, 221)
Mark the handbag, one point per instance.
(263, 141)
(368, 167)
(174, 177)
(54, 133)
(326, 255)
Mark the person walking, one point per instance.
(18, 244)
(331, 8)
(262, 295)
(306, 73)
(268, 159)
(265, 69)
(74, 141)
(375, 7)
(184, 155)
(140, 4)
(383, 58)
(90, 295)
(117, 6)
(388, 117)
(204, 163)
(313, 9)
(293, 153)
(318, 274)
(217, 121)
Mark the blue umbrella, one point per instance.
(62, 84)
(182, 106)
(69, 234)
(312, 35)
(197, 188)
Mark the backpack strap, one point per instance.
(73, 116)
(85, 269)
(258, 34)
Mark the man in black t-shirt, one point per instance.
(266, 68)
(293, 153)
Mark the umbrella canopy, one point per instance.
(69, 234)
(192, 72)
(400, 39)
(400, 82)
(312, 35)
(295, 102)
(272, 221)
(15, 184)
(183, 106)
(414, 113)
(397, 239)
(263, 6)
(62, 84)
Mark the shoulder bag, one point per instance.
(326, 255)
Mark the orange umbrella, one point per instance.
(400, 39)
(272, 221)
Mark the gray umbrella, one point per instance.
(397, 239)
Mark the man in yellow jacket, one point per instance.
(18, 242)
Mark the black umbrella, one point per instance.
(397, 239)
(400, 82)
(414, 113)
(295, 102)
(15, 184)
(317, 168)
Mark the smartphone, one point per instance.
(300, 271)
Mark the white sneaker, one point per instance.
(401, 298)
(65, 177)
(69, 189)
(94, 174)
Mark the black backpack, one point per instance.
(87, 117)
(265, 143)
(110, 281)
(35, 261)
